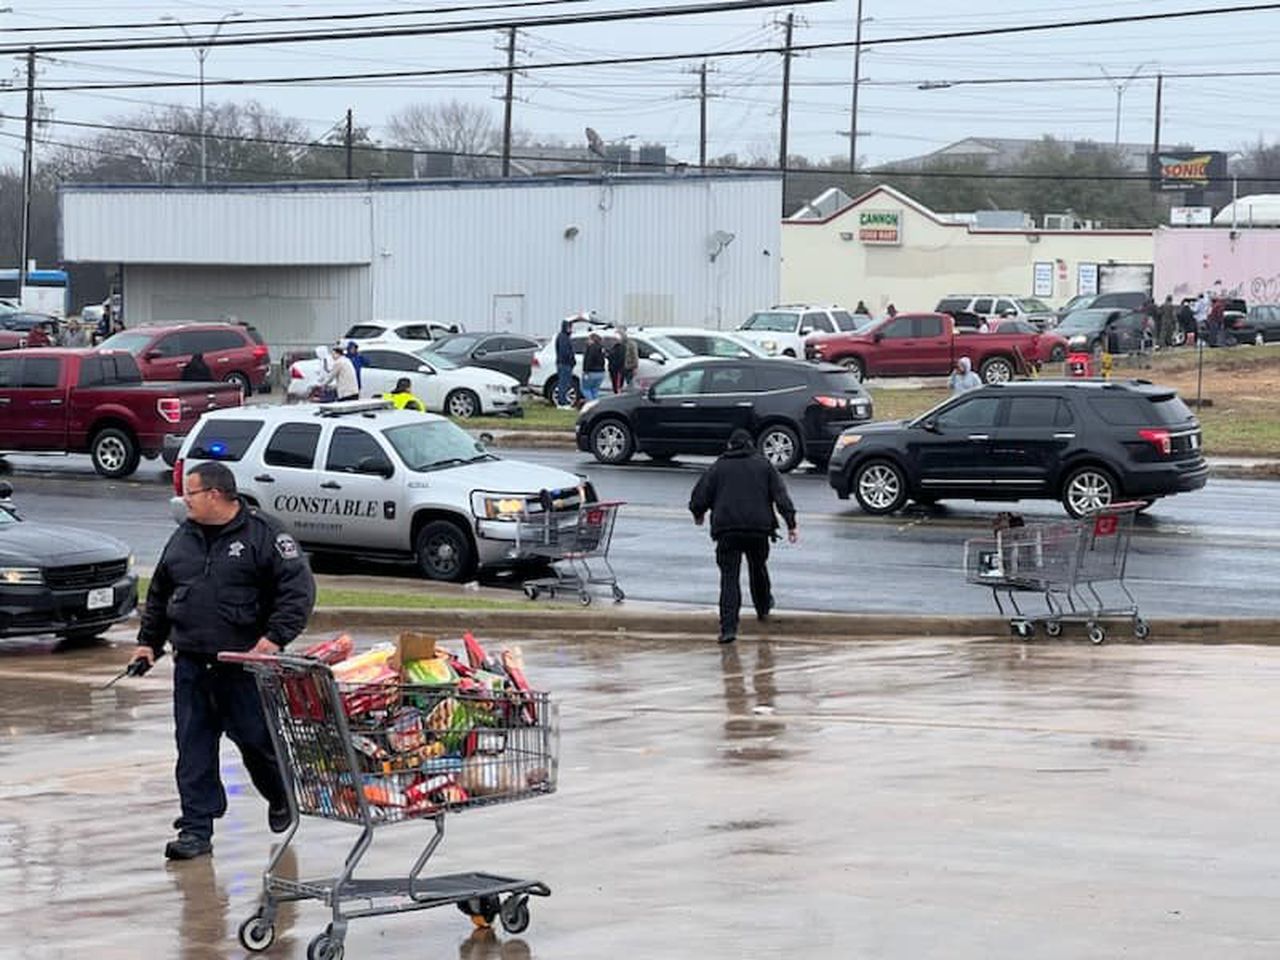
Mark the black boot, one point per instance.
(279, 819)
(187, 846)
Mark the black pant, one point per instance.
(210, 699)
(730, 549)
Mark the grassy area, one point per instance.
(404, 601)
(904, 404)
(537, 416)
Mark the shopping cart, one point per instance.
(384, 753)
(573, 542)
(1077, 566)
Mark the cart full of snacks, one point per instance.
(577, 544)
(402, 732)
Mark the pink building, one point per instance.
(1241, 263)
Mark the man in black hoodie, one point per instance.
(745, 494)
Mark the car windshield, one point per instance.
(437, 360)
(458, 345)
(1032, 305)
(434, 445)
(772, 322)
(130, 342)
(668, 347)
(1083, 321)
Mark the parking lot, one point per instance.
(908, 799)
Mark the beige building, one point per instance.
(885, 248)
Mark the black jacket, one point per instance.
(593, 358)
(565, 356)
(741, 490)
(197, 370)
(209, 595)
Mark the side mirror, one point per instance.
(805, 331)
(425, 369)
(6, 490)
(657, 358)
(879, 335)
(152, 355)
(931, 425)
(652, 394)
(480, 353)
(375, 465)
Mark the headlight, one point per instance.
(496, 388)
(1076, 341)
(847, 440)
(769, 346)
(132, 560)
(497, 507)
(17, 575)
(860, 409)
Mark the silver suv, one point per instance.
(362, 478)
(991, 306)
(780, 330)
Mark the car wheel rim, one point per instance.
(111, 454)
(1089, 491)
(462, 406)
(442, 555)
(879, 486)
(778, 448)
(1258, 339)
(610, 442)
(854, 367)
(998, 372)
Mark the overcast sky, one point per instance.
(896, 119)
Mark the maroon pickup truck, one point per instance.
(923, 345)
(94, 401)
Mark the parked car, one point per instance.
(61, 580)
(1047, 347)
(361, 479)
(234, 352)
(58, 400)
(707, 343)
(509, 353)
(780, 331)
(1088, 443)
(442, 385)
(794, 409)
(1097, 330)
(24, 322)
(658, 354)
(1120, 300)
(407, 333)
(923, 344)
(991, 306)
(1261, 324)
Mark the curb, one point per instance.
(607, 622)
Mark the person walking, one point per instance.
(616, 356)
(630, 357)
(402, 397)
(342, 376)
(565, 359)
(963, 378)
(862, 309)
(592, 367)
(1216, 321)
(196, 370)
(744, 493)
(1187, 323)
(229, 579)
(1168, 321)
(357, 362)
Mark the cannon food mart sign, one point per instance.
(880, 227)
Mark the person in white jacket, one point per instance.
(963, 378)
(342, 375)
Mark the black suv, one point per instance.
(793, 409)
(1086, 442)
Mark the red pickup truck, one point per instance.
(56, 400)
(923, 345)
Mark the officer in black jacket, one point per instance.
(745, 494)
(230, 579)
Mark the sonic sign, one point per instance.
(880, 227)
(1187, 170)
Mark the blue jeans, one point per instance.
(591, 385)
(564, 380)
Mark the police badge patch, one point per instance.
(286, 546)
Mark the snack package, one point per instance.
(368, 747)
(383, 792)
(430, 673)
(364, 667)
(485, 778)
(380, 691)
(478, 657)
(405, 733)
(513, 663)
(331, 651)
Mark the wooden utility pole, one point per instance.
(1155, 143)
(507, 100)
(853, 111)
(702, 115)
(348, 138)
(28, 145)
(786, 107)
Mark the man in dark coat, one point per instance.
(197, 370)
(745, 493)
(565, 361)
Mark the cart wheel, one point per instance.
(618, 595)
(1053, 628)
(255, 935)
(584, 598)
(515, 914)
(1022, 628)
(531, 591)
(323, 947)
(1096, 634)
(1141, 629)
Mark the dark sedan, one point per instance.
(795, 410)
(60, 580)
(509, 353)
(1259, 325)
(1096, 330)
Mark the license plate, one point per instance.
(99, 599)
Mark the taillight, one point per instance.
(170, 409)
(260, 353)
(177, 477)
(831, 403)
(1159, 439)
(295, 373)
(536, 363)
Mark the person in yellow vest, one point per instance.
(403, 399)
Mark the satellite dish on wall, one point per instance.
(594, 143)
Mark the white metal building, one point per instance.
(305, 261)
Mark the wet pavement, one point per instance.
(908, 799)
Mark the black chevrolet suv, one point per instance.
(793, 409)
(1084, 442)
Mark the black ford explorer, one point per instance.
(1087, 443)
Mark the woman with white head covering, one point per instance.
(963, 378)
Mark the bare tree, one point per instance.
(462, 129)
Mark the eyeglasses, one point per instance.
(187, 495)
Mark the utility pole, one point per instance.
(702, 115)
(28, 144)
(348, 138)
(786, 107)
(507, 99)
(1155, 145)
(853, 111)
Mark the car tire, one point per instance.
(855, 366)
(996, 370)
(241, 381)
(1058, 354)
(612, 441)
(781, 446)
(444, 552)
(463, 404)
(789, 353)
(114, 452)
(880, 487)
(574, 394)
(1088, 488)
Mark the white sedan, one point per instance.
(440, 383)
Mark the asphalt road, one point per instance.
(1210, 553)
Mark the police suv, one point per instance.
(360, 477)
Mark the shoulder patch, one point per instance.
(287, 547)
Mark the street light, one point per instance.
(1120, 86)
(201, 48)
